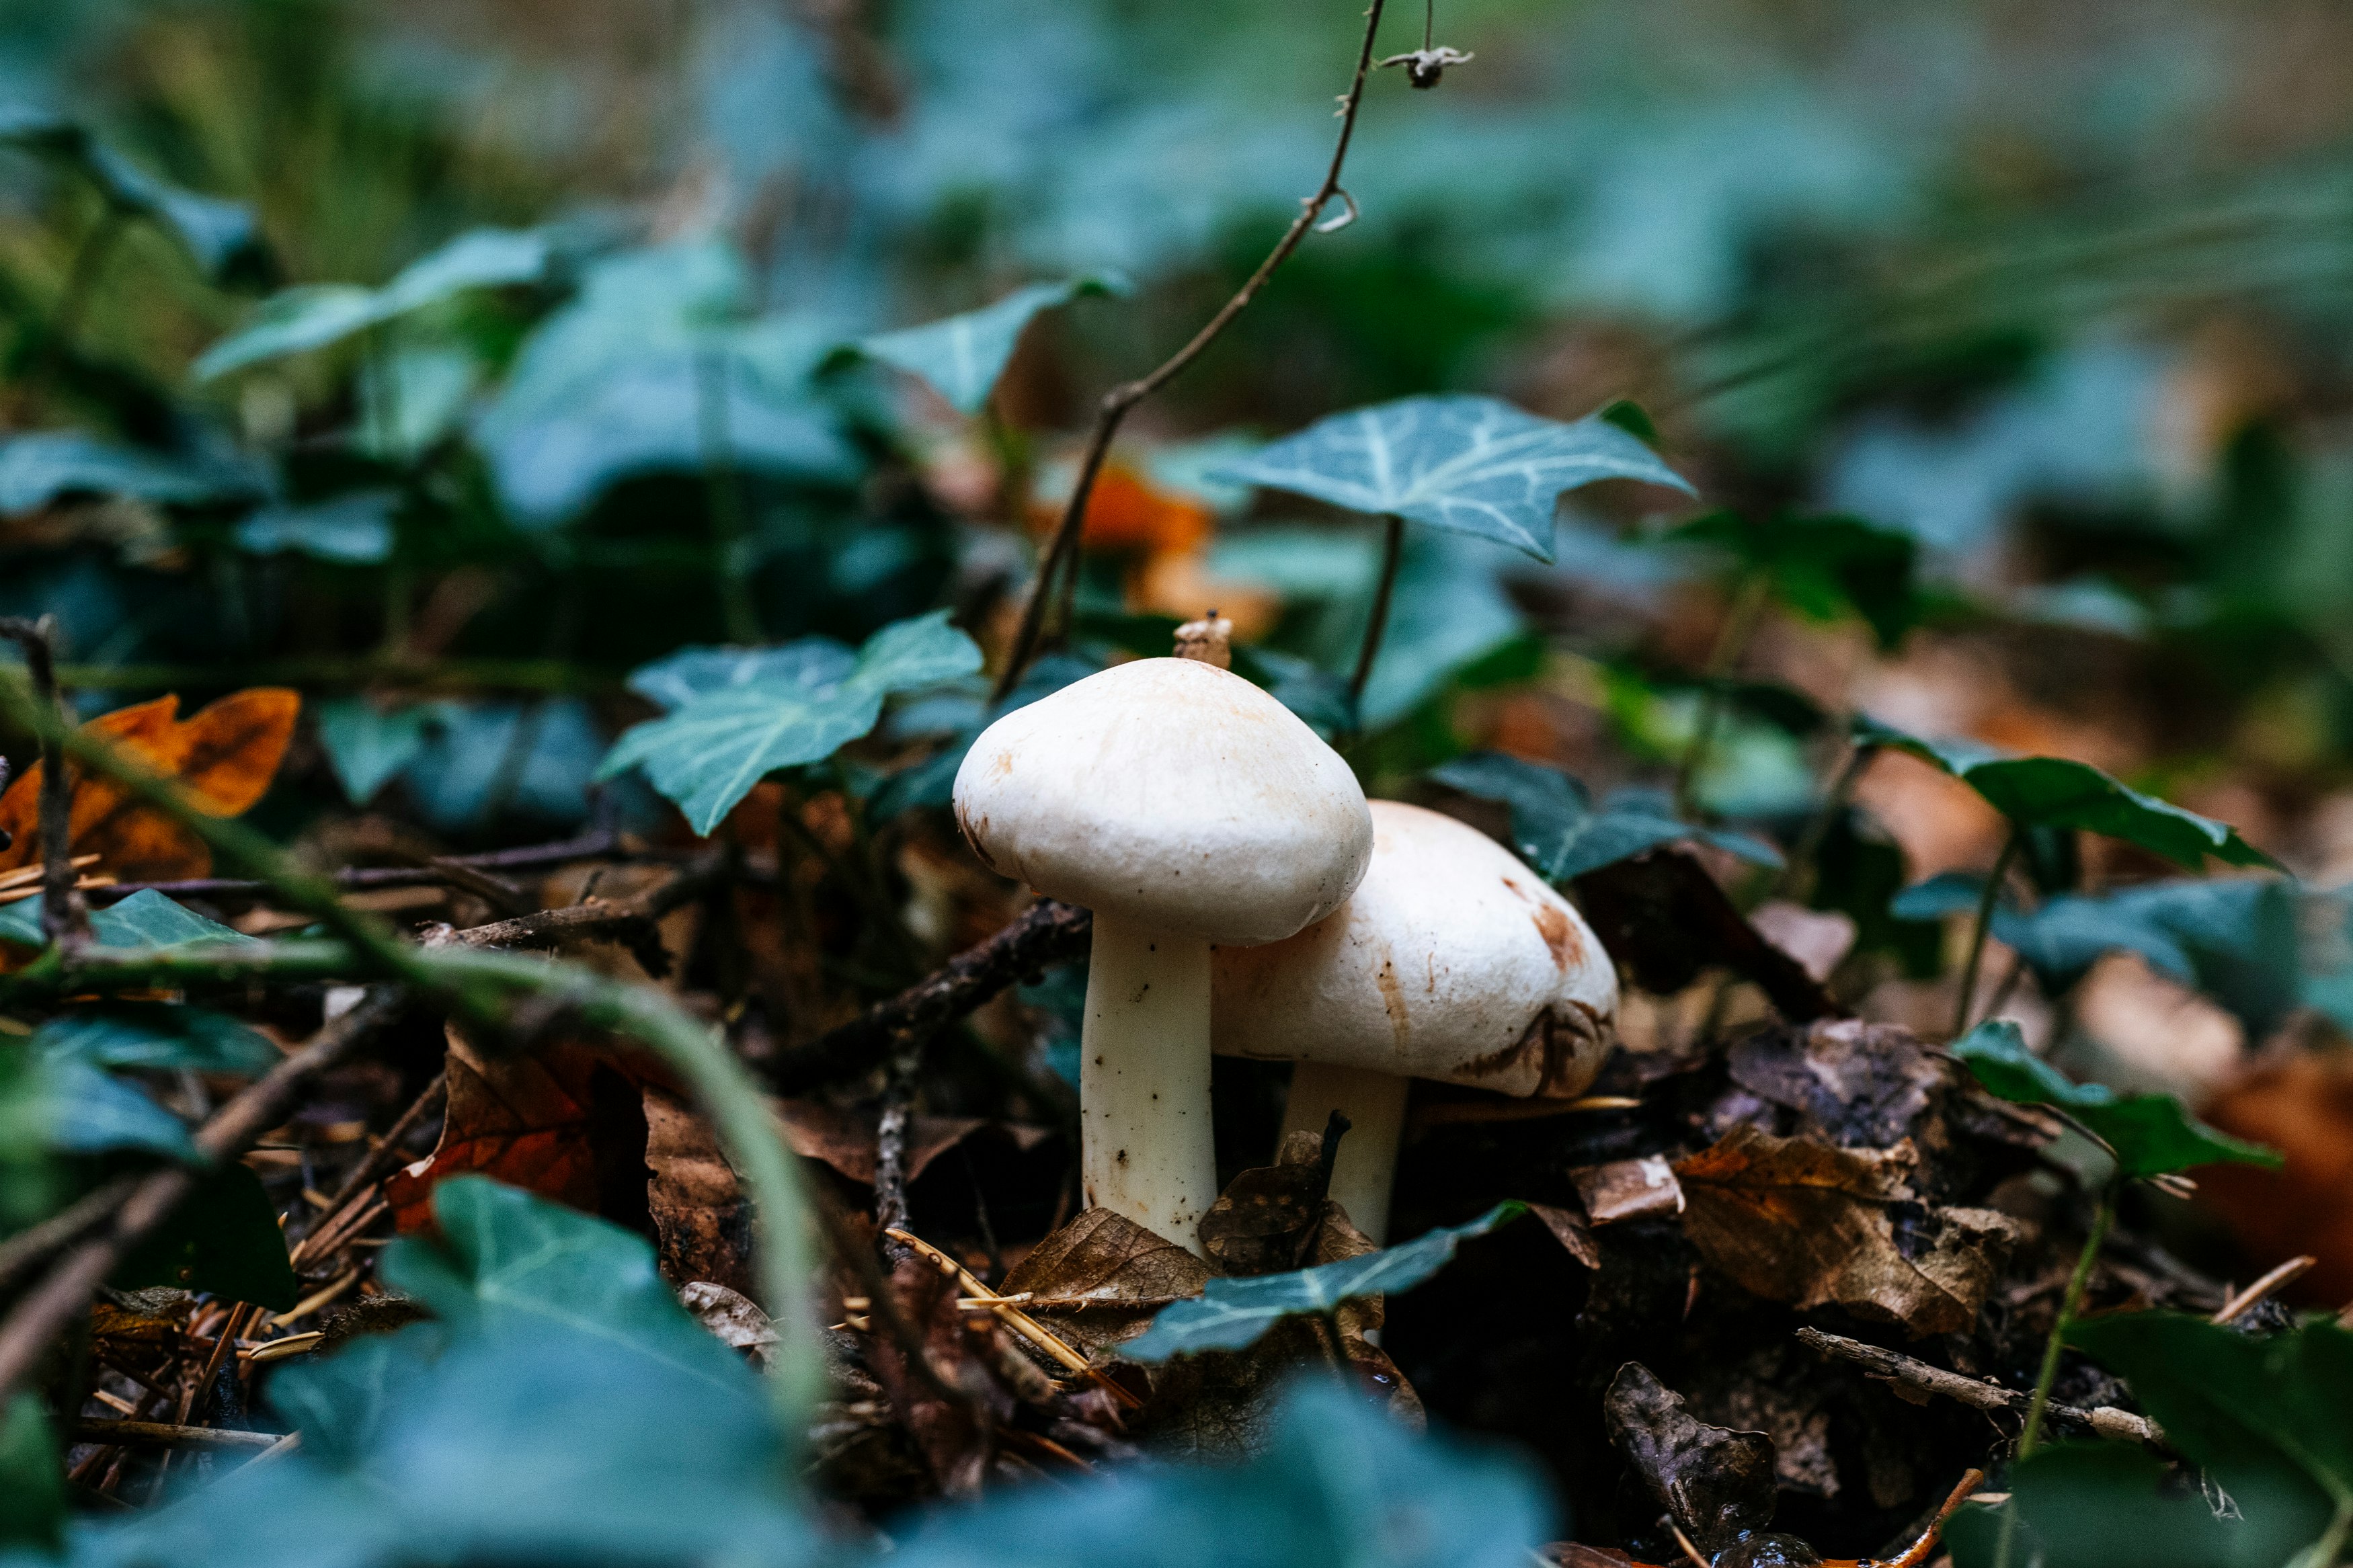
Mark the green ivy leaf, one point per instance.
(44, 467)
(155, 1038)
(2051, 792)
(1232, 1313)
(224, 1240)
(2262, 1416)
(57, 1105)
(1468, 465)
(672, 682)
(295, 321)
(2151, 1133)
(962, 356)
(368, 745)
(32, 1478)
(350, 531)
(708, 754)
(511, 1266)
(1821, 567)
(2112, 1505)
(222, 236)
(1561, 834)
(1333, 1482)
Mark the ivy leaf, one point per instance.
(656, 367)
(1560, 834)
(50, 1104)
(708, 754)
(1232, 1313)
(672, 682)
(32, 1477)
(2262, 1416)
(295, 321)
(222, 236)
(2113, 1505)
(145, 919)
(962, 356)
(1334, 1481)
(1821, 566)
(42, 468)
(224, 1240)
(2151, 1133)
(1468, 465)
(350, 531)
(156, 1037)
(368, 745)
(2051, 792)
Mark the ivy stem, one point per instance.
(2030, 1436)
(729, 527)
(1731, 645)
(1803, 853)
(1378, 625)
(1984, 924)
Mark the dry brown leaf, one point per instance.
(225, 756)
(1717, 1485)
(1105, 1276)
(703, 1226)
(848, 1139)
(1808, 1225)
(1627, 1189)
(565, 1121)
(2301, 1105)
(1571, 1231)
(735, 1318)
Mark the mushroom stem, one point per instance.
(1143, 1080)
(1374, 1103)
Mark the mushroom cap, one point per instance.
(1172, 793)
(1451, 961)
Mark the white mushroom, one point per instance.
(1451, 961)
(1184, 806)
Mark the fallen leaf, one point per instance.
(1268, 1218)
(1716, 1484)
(1804, 1224)
(565, 1121)
(1097, 1281)
(734, 1317)
(847, 1139)
(1817, 938)
(2301, 1105)
(224, 756)
(953, 1442)
(1571, 1231)
(703, 1226)
(1126, 511)
(1625, 1189)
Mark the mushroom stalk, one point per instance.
(1374, 1103)
(1144, 1078)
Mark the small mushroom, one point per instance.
(1184, 806)
(1451, 961)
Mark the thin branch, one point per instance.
(1117, 403)
(1046, 934)
(2280, 1278)
(169, 1434)
(44, 1312)
(62, 1229)
(598, 846)
(65, 918)
(1983, 925)
(1392, 551)
(378, 1163)
(1908, 1372)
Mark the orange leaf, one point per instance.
(1125, 511)
(225, 756)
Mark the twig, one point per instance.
(1376, 624)
(45, 1311)
(2105, 1420)
(169, 1434)
(883, 1303)
(1984, 924)
(1014, 1318)
(890, 1135)
(378, 1164)
(588, 846)
(1121, 399)
(31, 1245)
(64, 918)
(2284, 1274)
(1046, 934)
